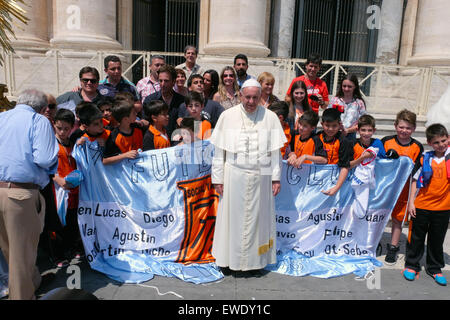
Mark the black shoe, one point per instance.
(226, 271)
(256, 273)
(391, 256)
(379, 250)
(46, 280)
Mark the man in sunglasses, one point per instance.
(88, 90)
(50, 109)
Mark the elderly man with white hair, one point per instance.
(28, 154)
(246, 172)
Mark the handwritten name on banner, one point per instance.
(156, 215)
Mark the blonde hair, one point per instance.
(267, 77)
(222, 90)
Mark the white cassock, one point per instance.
(247, 159)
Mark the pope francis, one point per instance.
(246, 173)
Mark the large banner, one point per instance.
(331, 236)
(156, 215)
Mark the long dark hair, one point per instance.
(305, 103)
(356, 93)
(214, 82)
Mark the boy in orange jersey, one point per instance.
(194, 105)
(105, 105)
(404, 145)
(430, 209)
(339, 150)
(281, 109)
(366, 129)
(125, 140)
(64, 121)
(308, 148)
(157, 114)
(91, 120)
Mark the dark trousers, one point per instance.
(432, 224)
(71, 232)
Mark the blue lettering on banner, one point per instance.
(159, 209)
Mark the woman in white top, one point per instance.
(228, 93)
(350, 102)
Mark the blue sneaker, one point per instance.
(410, 274)
(439, 278)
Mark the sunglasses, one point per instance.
(52, 106)
(93, 81)
(228, 76)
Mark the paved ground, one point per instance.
(271, 286)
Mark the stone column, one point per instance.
(283, 28)
(389, 34)
(33, 36)
(431, 46)
(238, 26)
(81, 25)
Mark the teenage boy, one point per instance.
(212, 109)
(194, 104)
(317, 89)
(157, 114)
(308, 148)
(339, 150)
(281, 109)
(125, 140)
(430, 209)
(404, 145)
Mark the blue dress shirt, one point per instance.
(28, 147)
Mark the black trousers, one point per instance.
(432, 224)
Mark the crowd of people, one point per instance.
(178, 105)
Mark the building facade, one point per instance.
(390, 32)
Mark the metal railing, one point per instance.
(386, 88)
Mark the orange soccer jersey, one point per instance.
(435, 195)
(155, 139)
(339, 150)
(204, 131)
(66, 164)
(287, 133)
(413, 150)
(119, 142)
(358, 149)
(104, 135)
(310, 146)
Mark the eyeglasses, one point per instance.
(51, 106)
(93, 81)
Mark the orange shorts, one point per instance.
(399, 211)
